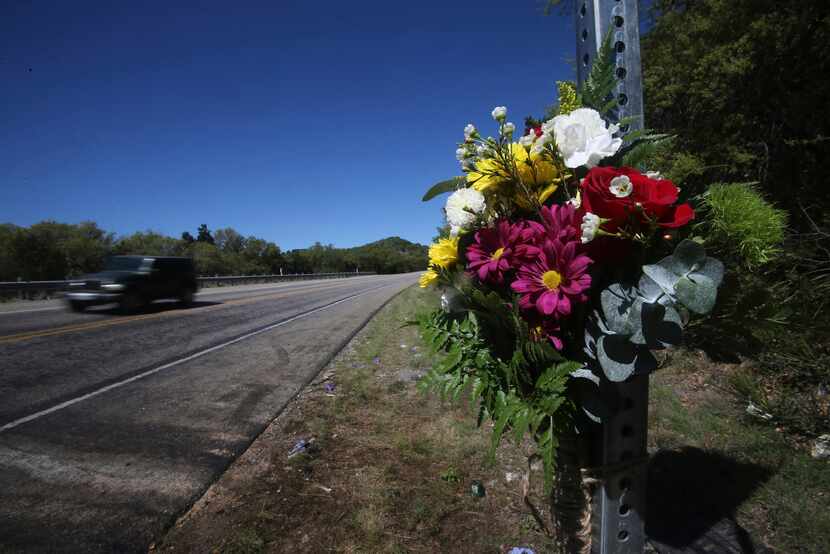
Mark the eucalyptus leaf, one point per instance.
(619, 358)
(662, 276)
(661, 326)
(442, 187)
(697, 295)
(585, 387)
(616, 300)
(687, 255)
(710, 268)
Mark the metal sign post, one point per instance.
(593, 20)
(618, 506)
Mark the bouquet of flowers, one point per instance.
(561, 266)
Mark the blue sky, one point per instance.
(292, 121)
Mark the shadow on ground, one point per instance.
(692, 499)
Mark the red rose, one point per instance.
(607, 193)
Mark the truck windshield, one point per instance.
(118, 263)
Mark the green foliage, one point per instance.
(56, 251)
(740, 223)
(443, 186)
(642, 152)
(51, 251)
(596, 90)
(520, 395)
(742, 83)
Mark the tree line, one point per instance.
(50, 250)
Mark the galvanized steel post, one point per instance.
(618, 515)
(593, 20)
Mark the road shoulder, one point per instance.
(388, 469)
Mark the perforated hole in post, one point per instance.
(622, 99)
(583, 10)
(624, 509)
(622, 535)
(586, 59)
(584, 35)
(619, 46)
(621, 72)
(618, 21)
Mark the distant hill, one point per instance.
(389, 255)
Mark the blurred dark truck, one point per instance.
(132, 282)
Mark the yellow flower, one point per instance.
(444, 253)
(568, 100)
(428, 277)
(533, 168)
(488, 174)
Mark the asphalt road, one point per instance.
(111, 426)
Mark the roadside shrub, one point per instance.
(741, 224)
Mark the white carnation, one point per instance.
(590, 226)
(462, 207)
(499, 113)
(460, 154)
(583, 138)
(528, 139)
(540, 143)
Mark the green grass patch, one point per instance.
(778, 492)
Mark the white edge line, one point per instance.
(111, 386)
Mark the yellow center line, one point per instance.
(111, 322)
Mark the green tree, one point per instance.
(147, 243)
(203, 234)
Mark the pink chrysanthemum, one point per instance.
(561, 222)
(558, 223)
(554, 280)
(499, 249)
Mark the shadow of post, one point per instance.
(692, 498)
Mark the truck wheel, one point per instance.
(130, 302)
(186, 297)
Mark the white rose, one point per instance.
(621, 186)
(583, 138)
(509, 128)
(462, 207)
(460, 154)
(590, 225)
(499, 113)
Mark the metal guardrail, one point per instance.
(58, 286)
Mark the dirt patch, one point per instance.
(385, 468)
